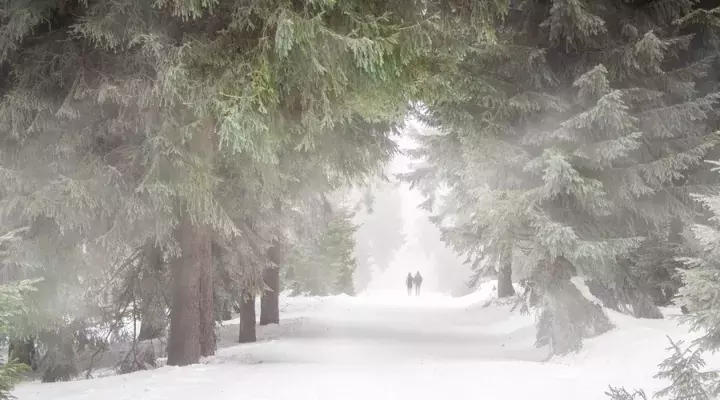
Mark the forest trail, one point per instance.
(389, 347)
(397, 329)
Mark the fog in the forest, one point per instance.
(397, 237)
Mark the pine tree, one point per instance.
(10, 374)
(567, 140)
(321, 262)
(684, 368)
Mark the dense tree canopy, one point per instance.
(574, 137)
(146, 141)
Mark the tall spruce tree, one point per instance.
(321, 262)
(566, 140)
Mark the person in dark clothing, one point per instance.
(409, 283)
(418, 282)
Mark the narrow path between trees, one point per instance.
(390, 347)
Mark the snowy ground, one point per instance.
(393, 347)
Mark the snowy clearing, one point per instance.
(383, 346)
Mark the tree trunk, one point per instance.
(505, 286)
(207, 312)
(153, 316)
(184, 342)
(270, 301)
(23, 351)
(226, 310)
(60, 361)
(247, 318)
(676, 231)
(206, 304)
(192, 321)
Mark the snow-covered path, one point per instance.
(390, 347)
(390, 330)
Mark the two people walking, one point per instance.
(413, 280)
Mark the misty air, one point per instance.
(359, 199)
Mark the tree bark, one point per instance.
(505, 286)
(184, 341)
(153, 315)
(192, 321)
(270, 301)
(206, 304)
(247, 318)
(205, 147)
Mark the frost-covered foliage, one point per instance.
(577, 135)
(685, 369)
(12, 299)
(180, 124)
(655, 266)
(10, 374)
(686, 372)
(616, 393)
(321, 262)
(701, 279)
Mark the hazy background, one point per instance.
(397, 238)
